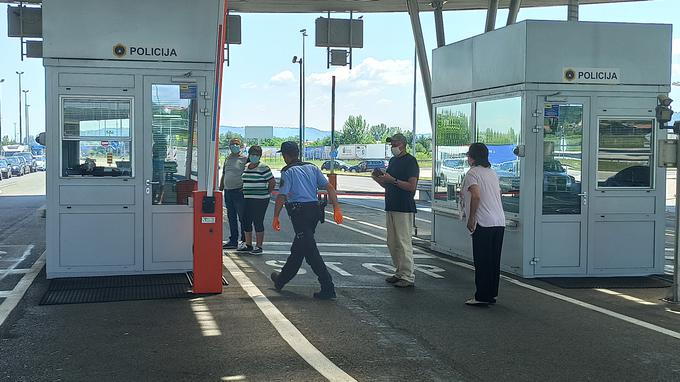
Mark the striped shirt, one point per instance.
(256, 182)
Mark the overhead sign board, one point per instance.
(339, 36)
(26, 22)
(591, 75)
(233, 29)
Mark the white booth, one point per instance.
(130, 100)
(568, 112)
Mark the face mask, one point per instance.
(396, 151)
(234, 149)
(254, 159)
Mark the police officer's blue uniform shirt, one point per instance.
(300, 183)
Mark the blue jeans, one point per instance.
(234, 203)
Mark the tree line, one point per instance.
(355, 130)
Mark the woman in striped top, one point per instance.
(258, 184)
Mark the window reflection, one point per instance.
(499, 124)
(562, 155)
(174, 150)
(453, 136)
(96, 137)
(625, 153)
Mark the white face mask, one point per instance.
(396, 151)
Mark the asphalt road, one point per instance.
(372, 332)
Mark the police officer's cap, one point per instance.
(289, 148)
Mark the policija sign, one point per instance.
(591, 75)
(120, 51)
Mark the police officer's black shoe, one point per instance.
(325, 295)
(275, 278)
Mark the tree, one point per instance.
(224, 138)
(355, 131)
(7, 141)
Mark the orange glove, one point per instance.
(276, 224)
(337, 214)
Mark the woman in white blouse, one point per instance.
(485, 222)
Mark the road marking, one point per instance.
(205, 319)
(558, 296)
(11, 269)
(20, 289)
(334, 266)
(279, 264)
(429, 270)
(626, 297)
(348, 254)
(286, 329)
(376, 268)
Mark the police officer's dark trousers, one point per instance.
(305, 217)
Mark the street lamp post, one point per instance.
(297, 60)
(20, 137)
(26, 111)
(1, 81)
(304, 95)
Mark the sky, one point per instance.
(261, 83)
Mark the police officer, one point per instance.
(298, 191)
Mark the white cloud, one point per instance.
(676, 47)
(369, 73)
(283, 77)
(249, 85)
(385, 101)
(676, 69)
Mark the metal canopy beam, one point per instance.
(439, 22)
(491, 13)
(513, 11)
(572, 10)
(414, 14)
(367, 6)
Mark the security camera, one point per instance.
(664, 100)
(294, 59)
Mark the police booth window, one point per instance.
(96, 137)
(499, 126)
(625, 153)
(453, 136)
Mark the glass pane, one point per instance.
(452, 139)
(562, 155)
(625, 153)
(499, 124)
(174, 149)
(96, 158)
(94, 117)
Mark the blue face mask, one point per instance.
(234, 149)
(254, 159)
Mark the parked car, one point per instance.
(369, 165)
(453, 171)
(338, 165)
(40, 163)
(5, 169)
(30, 160)
(555, 177)
(17, 165)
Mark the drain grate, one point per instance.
(80, 290)
(607, 282)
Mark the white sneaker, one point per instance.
(242, 246)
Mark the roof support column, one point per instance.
(413, 13)
(572, 10)
(439, 22)
(491, 16)
(513, 10)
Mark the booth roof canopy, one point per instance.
(365, 6)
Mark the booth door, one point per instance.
(173, 125)
(561, 187)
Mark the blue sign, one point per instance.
(188, 91)
(114, 145)
(334, 154)
(551, 111)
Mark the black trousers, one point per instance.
(253, 214)
(487, 243)
(305, 217)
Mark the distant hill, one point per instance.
(311, 133)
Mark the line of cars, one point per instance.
(20, 163)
